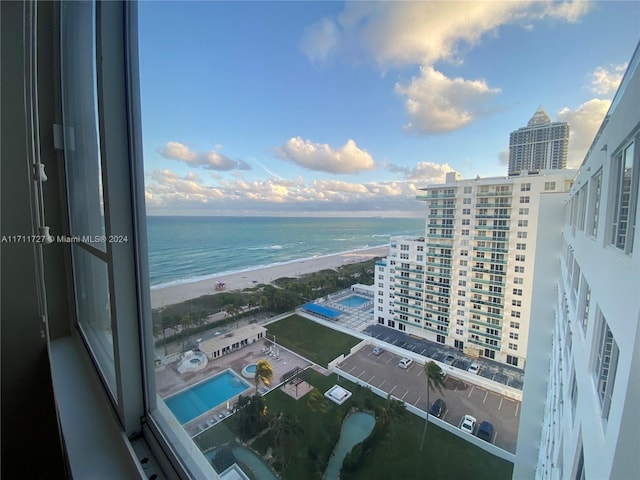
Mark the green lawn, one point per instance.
(310, 339)
(394, 456)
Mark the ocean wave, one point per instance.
(220, 275)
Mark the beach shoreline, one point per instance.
(168, 295)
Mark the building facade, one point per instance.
(467, 282)
(541, 145)
(585, 381)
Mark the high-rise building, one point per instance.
(583, 371)
(541, 145)
(467, 282)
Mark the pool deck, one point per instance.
(169, 381)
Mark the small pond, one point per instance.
(355, 428)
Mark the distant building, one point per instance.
(467, 282)
(583, 372)
(541, 145)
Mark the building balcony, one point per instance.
(493, 205)
(485, 324)
(500, 283)
(489, 249)
(494, 194)
(485, 345)
(486, 314)
(492, 227)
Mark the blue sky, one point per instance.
(332, 108)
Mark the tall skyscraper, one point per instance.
(541, 145)
(583, 372)
(468, 282)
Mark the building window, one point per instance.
(465, 232)
(518, 281)
(522, 235)
(525, 187)
(605, 364)
(523, 223)
(467, 190)
(520, 258)
(594, 203)
(466, 201)
(625, 187)
(517, 291)
(521, 246)
(524, 199)
(516, 303)
(518, 269)
(523, 211)
(515, 325)
(585, 300)
(466, 211)
(513, 346)
(549, 186)
(466, 221)
(582, 205)
(513, 336)
(511, 360)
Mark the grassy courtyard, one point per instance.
(310, 339)
(395, 453)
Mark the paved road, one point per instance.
(461, 398)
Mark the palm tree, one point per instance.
(264, 373)
(435, 379)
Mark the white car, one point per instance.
(377, 351)
(467, 424)
(473, 368)
(405, 363)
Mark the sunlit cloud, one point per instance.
(323, 158)
(400, 34)
(584, 123)
(437, 104)
(167, 192)
(605, 81)
(211, 160)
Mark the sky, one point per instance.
(348, 109)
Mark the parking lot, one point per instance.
(409, 385)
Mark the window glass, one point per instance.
(93, 308)
(80, 117)
(625, 197)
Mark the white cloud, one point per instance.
(436, 103)
(397, 34)
(584, 123)
(321, 157)
(430, 172)
(320, 40)
(168, 192)
(338, 186)
(211, 160)
(605, 81)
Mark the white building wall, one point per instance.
(581, 435)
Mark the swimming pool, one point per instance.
(204, 396)
(353, 301)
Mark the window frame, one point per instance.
(616, 178)
(134, 398)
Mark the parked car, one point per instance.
(449, 359)
(467, 424)
(438, 408)
(377, 351)
(485, 431)
(473, 368)
(405, 363)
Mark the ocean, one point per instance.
(187, 249)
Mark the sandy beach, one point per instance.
(161, 297)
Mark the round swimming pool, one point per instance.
(249, 371)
